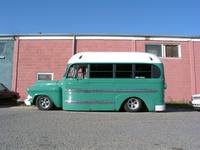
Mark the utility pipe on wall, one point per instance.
(74, 45)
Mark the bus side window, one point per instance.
(82, 71)
(147, 71)
(123, 71)
(85, 74)
(143, 71)
(156, 72)
(101, 71)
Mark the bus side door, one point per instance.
(75, 92)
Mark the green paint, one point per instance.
(100, 94)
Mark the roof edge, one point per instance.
(146, 36)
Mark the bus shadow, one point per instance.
(179, 108)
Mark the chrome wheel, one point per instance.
(44, 103)
(133, 105)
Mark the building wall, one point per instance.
(6, 63)
(103, 45)
(178, 77)
(41, 56)
(33, 55)
(197, 66)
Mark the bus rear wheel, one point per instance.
(44, 103)
(133, 105)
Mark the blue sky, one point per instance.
(149, 17)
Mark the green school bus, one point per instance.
(104, 81)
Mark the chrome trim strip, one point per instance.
(89, 102)
(111, 91)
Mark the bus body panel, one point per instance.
(52, 89)
(91, 90)
(110, 94)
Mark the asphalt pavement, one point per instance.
(27, 128)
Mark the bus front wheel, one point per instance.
(44, 103)
(133, 105)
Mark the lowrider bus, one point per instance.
(104, 81)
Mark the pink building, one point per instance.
(45, 57)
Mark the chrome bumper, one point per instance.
(195, 103)
(27, 101)
(160, 108)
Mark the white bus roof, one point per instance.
(114, 57)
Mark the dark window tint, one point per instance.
(114, 71)
(142, 71)
(124, 70)
(101, 67)
(147, 71)
(2, 88)
(101, 70)
(156, 72)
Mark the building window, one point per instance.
(171, 51)
(44, 76)
(2, 49)
(164, 50)
(154, 49)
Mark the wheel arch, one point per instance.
(55, 100)
(122, 99)
(44, 102)
(36, 96)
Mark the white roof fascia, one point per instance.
(170, 39)
(78, 37)
(109, 38)
(114, 57)
(195, 40)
